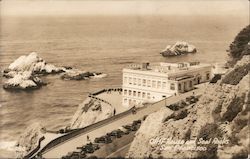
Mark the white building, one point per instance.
(150, 83)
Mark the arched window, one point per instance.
(172, 86)
(179, 86)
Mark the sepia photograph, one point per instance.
(117, 79)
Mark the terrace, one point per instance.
(114, 97)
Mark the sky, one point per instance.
(124, 7)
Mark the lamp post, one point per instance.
(165, 100)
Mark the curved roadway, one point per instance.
(70, 145)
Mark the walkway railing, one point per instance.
(94, 97)
(106, 90)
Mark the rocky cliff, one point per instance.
(29, 139)
(91, 111)
(220, 117)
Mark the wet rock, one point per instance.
(75, 74)
(23, 73)
(34, 64)
(22, 81)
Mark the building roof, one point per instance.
(167, 68)
(184, 77)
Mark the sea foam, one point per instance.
(8, 145)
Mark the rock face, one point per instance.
(23, 72)
(29, 139)
(91, 111)
(221, 113)
(75, 74)
(179, 48)
(149, 129)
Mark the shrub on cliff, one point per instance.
(209, 131)
(235, 76)
(240, 46)
(234, 108)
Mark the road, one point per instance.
(120, 152)
(70, 145)
(115, 147)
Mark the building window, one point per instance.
(130, 80)
(143, 94)
(179, 86)
(134, 81)
(125, 92)
(158, 84)
(164, 85)
(125, 100)
(144, 82)
(148, 95)
(139, 82)
(129, 101)
(154, 84)
(125, 80)
(134, 93)
(149, 83)
(191, 84)
(129, 92)
(172, 86)
(208, 76)
(139, 94)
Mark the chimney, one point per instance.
(145, 65)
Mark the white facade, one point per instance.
(146, 83)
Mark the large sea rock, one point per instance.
(24, 72)
(75, 74)
(222, 112)
(179, 48)
(32, 63)
(23, 80)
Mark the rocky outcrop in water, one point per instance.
(91, 111)
(24, 73)
(75, 74)
(221, 113)
(23, 80)
(179, 48)
(32, 63)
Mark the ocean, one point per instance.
(95, 43)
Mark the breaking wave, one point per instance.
(8, 145)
